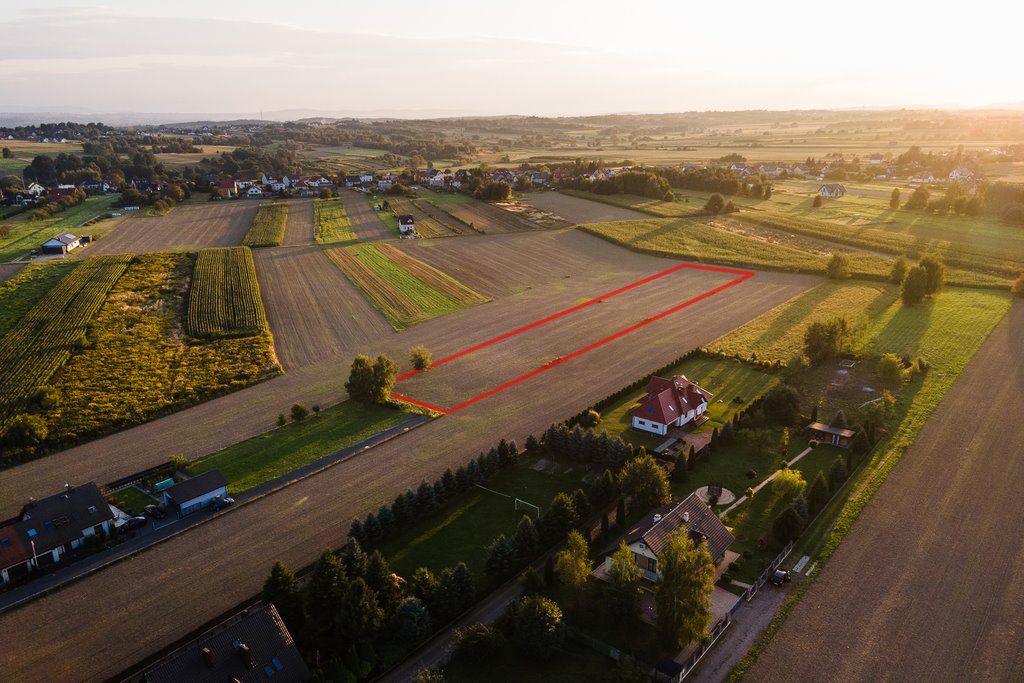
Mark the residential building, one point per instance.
(406, 224)
(228, 187)
(670, 403)
(196, 493)
(832, 190)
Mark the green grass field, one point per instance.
(331, 223)
(726, 379)
(131, 500)
(22, 291)
(25, 235)
(459, 532)
(262, 458)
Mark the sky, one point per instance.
(550, 58)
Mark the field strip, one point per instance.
(743, 275)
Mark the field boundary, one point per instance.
(743, 276)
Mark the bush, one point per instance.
(715, 204)
(899, 271)
(420, 357)
(817, 201)
(915, 286)
(890, 368)
(299, 412)
(478, 641)
(918, 200)
(838, 267)
(537, 627)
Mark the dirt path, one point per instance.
(299, 229)
(365, 222)
(928, 584)
(57, 636)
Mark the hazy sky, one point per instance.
(519, 57)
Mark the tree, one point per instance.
(281, 420)
(502, 558)
(683, 594)
(787, 526)
(282, 589)
(918, 199)
(384, 371)
(325, 594)
(890, 368)
(420, 357)
(838, 267)
(526, 539)
(1017, 288)
(455, 592)
(715, 204)
(899, 270)
(299, 412)
(360, 616)
(411, 622)
(624, 576)
(817, 201)
(894, 199)
(819, 494)
(826, 340)
(7, 153)
(645, 483)
(383, 582)
(325, 193)
(371, 383)
(573, 563)
(915, 286)
(423, 584)
(839, 421)
(537, 626)
(26, 432)
(560, 518)
(935, 269)
(354, 559)
(837, 474)
(788, 484)
(782, 405)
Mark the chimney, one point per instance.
(657, 518)
(246, 653)
(686, 517)
(207, 657)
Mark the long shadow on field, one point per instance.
(795, 314)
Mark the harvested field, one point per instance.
(9, 270)
(224, 300)
(187, 228)
(947, 601)
(268, 226)
(440, 217)
(314, 311)
(299, 229)
(365, 222)
(426, 224)
(405, 290)
(235, 559)
(330, 221)
(577, 209)
(487, 218)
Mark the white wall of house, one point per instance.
(198, 503)
(650, 426)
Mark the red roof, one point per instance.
(667, 399)
(13, 548)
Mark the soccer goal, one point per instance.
(522, 504)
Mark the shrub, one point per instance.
(787, 526)
(915, 286)
(478, 641)
(420, 357)
(817, 201)
(838, 267)
(899, 270)
(890, 368)
(537, 627)
(299, 412)
(715, 204)
(751, 474)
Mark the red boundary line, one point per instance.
(744, 275)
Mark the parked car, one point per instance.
(136, 522)
(219, 502)
(781, 576)
(154, 512)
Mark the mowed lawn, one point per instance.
(25, 235)
(727, 380)
(406, 290)
(260, 459)
(460, 532)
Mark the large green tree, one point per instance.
(573, 562)
(327, 586)
(360, 616)
(624, 583)
(826, 339)
(915, 286)
(371, 382)
(536, 628)
(645, 483)
(683, 595)
(282, 589)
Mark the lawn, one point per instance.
(262, 458)
(726, 379)
(131, 500)
(22, 291)
(460, 532)
(26, 235)
(331, 222)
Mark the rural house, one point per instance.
(406, 224)
(61, 244)
(49, 528)
(192, 495)
(254, 192)
(833, 435)
(670, 403)
(831, 191)
(228, 187)
(256, 647)
(649, 537)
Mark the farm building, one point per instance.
(257, 647)
(833, 435)
(192, 495)
(649, 538)
(48, 528)
(670, 403)
(831, 190)
(406, 224)
(61, 244)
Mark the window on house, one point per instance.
(32, 533)
(92, 509)
(652, 565)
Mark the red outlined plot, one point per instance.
(743, 275)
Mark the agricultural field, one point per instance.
(268, 226)
(224, 300)
(938, 611)
(635, 204)
(135, 363)
(179, 160)
(49, 332)
(27, 285)
(427, 224)
(331, 224)
(300, 226)
(481, 216)
(406, 290)
(366, 223)
(9, 270)
(578, 208)
(188, 228)
(23, 234)
(314, 311)
(440, 217)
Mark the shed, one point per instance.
(833, 435)
(196, 493)
(61, 244)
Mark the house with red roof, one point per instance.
(670, 403)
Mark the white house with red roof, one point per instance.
(670, 403)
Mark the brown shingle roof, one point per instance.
(691, 514)
(197, 486)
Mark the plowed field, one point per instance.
(186, 228)
(488, 219)
(299, 229)
(365, 222)
(578, 210)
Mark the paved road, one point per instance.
(929, 583)
(365, 222)
(198, 576)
